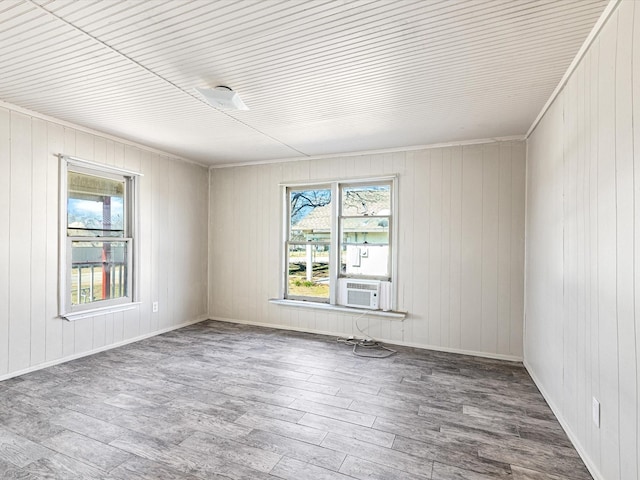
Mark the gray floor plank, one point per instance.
(306, 452)
(411, 465)
(365, 470)
(61, 467)
(20, 451)
(143, 469)
(295, 431)
(292, 469)
(256, 458)
(337, 413)
(87, 450)
(442, 471)
(351, 430)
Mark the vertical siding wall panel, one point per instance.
(504, 250)
(455, 271)
(5, 209)
(544, 337)
(445, 256)
(413, 277)
(31, 334)
(518, 192)
(607, 255)
(162, 222)
(471, 290)
(38, 242)
(569, 244)
(627, 363)
(144, 235)
(423, 289)
(594, 121)
(20, 243)
(581, 276)
(490, 241)
(148, 207)
(434, 265)
(456, 205)
(594, 57)
(635, 95)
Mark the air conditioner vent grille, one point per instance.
(362, 286)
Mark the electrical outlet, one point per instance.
(155, 307)
(595, 412)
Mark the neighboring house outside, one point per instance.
(364, 229)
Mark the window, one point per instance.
(335, 232)
(365, 214)
(97, 234)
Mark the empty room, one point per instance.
(319, 239)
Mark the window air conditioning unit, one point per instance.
(362, 294)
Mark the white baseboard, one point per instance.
(58, 361)
(495, 356)
(593, 470)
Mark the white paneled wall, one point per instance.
(173, 246)
(583, 238)
(461, 246)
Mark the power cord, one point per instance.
(366, 343)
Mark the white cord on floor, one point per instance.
(366, 342)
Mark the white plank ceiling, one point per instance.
(320, 76)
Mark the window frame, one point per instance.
(335, 274)
(66, 309)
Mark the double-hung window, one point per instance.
(97, 237)
(339, 234)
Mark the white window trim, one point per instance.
(78, 312)
(390, 314)
(333, 251)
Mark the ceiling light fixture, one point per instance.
(222, 97)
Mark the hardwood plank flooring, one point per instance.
(224, 401)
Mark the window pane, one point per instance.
(95, 206)
(370, 260)
(366, 200)
(308, 271)
(310, 215)
(365, 230)
(98, 271)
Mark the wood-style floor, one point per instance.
(220, 401)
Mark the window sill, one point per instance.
(392, 315)
(73, 316)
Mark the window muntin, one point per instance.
(359, 228)
(98, 230)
